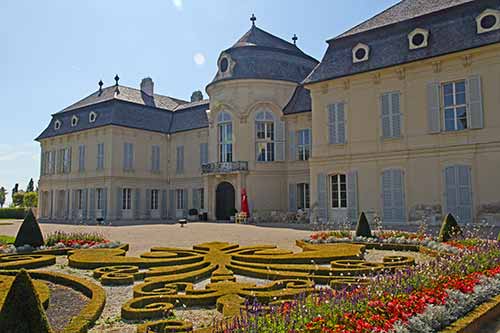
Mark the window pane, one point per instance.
(261, 131)
(342, 178)
(460, 98)
(448, 89)
(343, 203)
(449, 124)
(460, 86)
(448, 100)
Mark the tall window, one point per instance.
(155, 158)
(336, 123)
(225, 137)
(81, 158)
(67, 160)
(100, 198)
(51, 162)
(127, 199)
(391, 115)
(180, 198)
(304, 144)
(79, 199)
(455, 106)
(303, 196)
(154, 199)
(100, 156)
(180, 160)
(339, 191)
(264, 125)
(201, 197)
(128, 156)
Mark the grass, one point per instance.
(6, 239)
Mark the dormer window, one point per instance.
(487, 21)
(226, 65)
(57, 125)
(92, 117)
(360, 53)
(418, 38)
(74, 121)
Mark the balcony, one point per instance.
(224, 167)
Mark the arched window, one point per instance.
(225, 137)
(264, 127)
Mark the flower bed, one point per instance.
(424, 298)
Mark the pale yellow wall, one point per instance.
(422, 155)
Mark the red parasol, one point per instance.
(244, 202)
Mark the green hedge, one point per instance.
(12, 213)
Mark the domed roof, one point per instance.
(261, 55)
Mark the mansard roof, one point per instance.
(130, 112)
(300, 101)
(261, 55)
(451, 25)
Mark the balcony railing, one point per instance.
(224, 167)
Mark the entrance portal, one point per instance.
(224, 201)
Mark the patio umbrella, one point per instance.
(244, 202)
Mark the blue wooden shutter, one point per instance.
(180, 159)
(398, 195)
(387, 203)
(119, 203)
(433, 107)
(81, 158)
(280, 140)
(464, 198)
(74, 207)
(185, 198)
(352, 195)
(396, 114)
(92, 204)
(332, 124)
(84, 204)
(322, 198)
(105, 202)
(475, 102)
(164, 210)
(125, 156)
(385, 116)
(293, 148)
(147, 207)
(70, 158)
(68, 210)
(171, 204)
(137, 203)
(451, 190)
(292, 197)
(341, 132)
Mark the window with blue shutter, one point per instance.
(304, 144)
(433, 107)
(292, 197)
(322, 198)
(393, 199)
(203, 153)
(128, 156)
(100, 156)
(336, 124)
(81, 158)
(475, 101)
(155, 158)
(391, 115)
(458, 192)
(180, 160)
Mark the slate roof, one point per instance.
(261, 55)
(402, 11)
(452, 29)
(123, 93)
(120, 112)
(300, 101)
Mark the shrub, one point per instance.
(12, 213)
(18, 199)
(29, 233)
(22, 311)
(449, 229)
(6, 239)
(363, 227)
(30, 199)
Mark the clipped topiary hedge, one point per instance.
(166, 326)
(27, 261)
(29, 233)
(12, 213)
(363, 227)
(449, 229)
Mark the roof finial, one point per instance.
(295, 38)
(117, 78)
(100, 86)
(253, 19)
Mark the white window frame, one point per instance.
(454, 107)
(179, 202)
(304, 147)
(303, 196)
(154, 200)
(126, 198)
(265, 144)
(225, 137)
(336, 191)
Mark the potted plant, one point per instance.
(193, 214)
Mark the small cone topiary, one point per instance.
(29, 233)
(22, 311)
(449, 229)
(363, 227)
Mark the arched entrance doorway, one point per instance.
(224, 201)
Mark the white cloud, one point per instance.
(199, 58)
(178, 4)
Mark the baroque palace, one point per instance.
(400, 119)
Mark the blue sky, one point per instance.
(53, 53)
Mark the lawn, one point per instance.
(6, 239)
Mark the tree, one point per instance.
(14, 191)
(30, 199)
(31, 186)
(3, 196)
(18, 199)
(197, 96)
(29, 233)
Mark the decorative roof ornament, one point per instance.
(295, 38)
(100, 86)
(253, 19)
(117, 78)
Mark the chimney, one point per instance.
(197, 96)
(147, 86)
